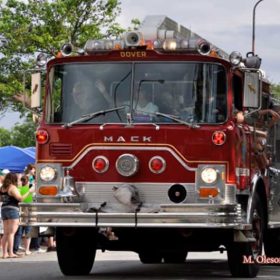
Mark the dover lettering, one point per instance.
(133, 54)
(122, 139)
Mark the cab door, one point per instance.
(274, 176)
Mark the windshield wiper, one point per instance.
(90, 116)
(171, 117)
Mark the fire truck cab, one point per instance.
(160, 143)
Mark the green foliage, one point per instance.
(21, 135)
(27, 27)
(276, 91)
(5, 137)
(135, 24)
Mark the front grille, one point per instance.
(60, 149)
(149, 193)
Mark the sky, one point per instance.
(225, 23)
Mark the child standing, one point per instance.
(24, 231)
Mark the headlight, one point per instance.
(235, 58)
(209, 175)
(47, 173)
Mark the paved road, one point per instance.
(126, 266)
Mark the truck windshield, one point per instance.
(146, 92)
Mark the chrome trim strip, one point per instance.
(235, 226)
(129, 148)
(170, 215)
(273, 225)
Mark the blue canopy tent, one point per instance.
(30, 150)
(16, 159)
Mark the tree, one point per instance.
(23, 135)
(5, 137)
(276, 91)
(29, 27)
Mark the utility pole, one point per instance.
(254, 19)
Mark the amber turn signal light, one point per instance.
(205, 192)
(48, 190)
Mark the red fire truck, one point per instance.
(158, 143)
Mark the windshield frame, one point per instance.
(133, 87)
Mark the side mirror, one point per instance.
(252, 90)
(36, 90)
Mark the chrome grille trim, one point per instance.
(130, 148)
(150, 193)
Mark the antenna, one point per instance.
(254, 17)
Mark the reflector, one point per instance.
(157, 164)
(100, 164)
(219, 138)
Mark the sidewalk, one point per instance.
(47, 256)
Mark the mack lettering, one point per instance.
(132, 139)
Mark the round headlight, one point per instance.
(209, 175)
(47, 173)
(235, 58)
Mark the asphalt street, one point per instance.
(126, 266)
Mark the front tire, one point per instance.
(76, 249)
(242, 256)
(272, 243)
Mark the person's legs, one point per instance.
(35, 243)
(18, 238)
(51, 244)
(5, 239)
(35, 240)
(27, 239)
(12, 228)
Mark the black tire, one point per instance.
(237, 251)
(150, 257)
(76, 249)
(272, 243)
(175, 257)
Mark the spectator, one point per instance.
(1, 223)
(30, 171)
(1, 178)
(10, 212)
(24, 230)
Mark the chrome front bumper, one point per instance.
(168, 216)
